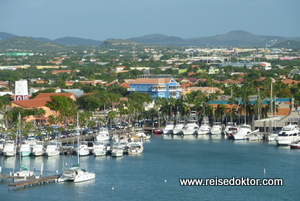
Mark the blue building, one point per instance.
(163, 86)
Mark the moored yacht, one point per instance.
(83, 149)
(204, 127)
(288, 134)
(25, 149)
(243, 131)
(216, 129)
(190, 128)
(135, 148)
(230, 129)
(38, 150)
(76, 174)
(9, 148)
(177, 130)
(99, 149)
(2, 142)
(52, 149)
(117, 150)
(169, 128)
(103, 134)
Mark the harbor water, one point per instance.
(156, 173)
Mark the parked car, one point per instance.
(66, 133)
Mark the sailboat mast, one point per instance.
(77, 121)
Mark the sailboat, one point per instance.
(75, 173)
(24, 171)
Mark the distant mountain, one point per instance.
(4, 36)
(70, 41)
(236, 38)
(28, 44)
(159, 39)
(233, 38)
(77, 41)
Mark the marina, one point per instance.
(166, 159)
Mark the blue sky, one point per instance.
(122, 19)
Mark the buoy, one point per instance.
(113, 188)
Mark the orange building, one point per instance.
(39, 102)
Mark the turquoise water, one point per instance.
(155, 174)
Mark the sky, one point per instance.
(123, 19)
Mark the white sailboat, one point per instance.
(24, 172)
(75, 173)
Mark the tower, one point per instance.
(21, 90)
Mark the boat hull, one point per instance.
(295, 146)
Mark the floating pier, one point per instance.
(36, 181)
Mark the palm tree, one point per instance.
(220, 111)
(111, 115)
(231, 101)
(172, 102)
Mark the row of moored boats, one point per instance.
(288, 135)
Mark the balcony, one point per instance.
(156, 88)
(175, 89)
(131, 89)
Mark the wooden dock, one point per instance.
(36, 181)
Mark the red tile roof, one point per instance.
(48, 95)
(31, 103)
(125, 85)
(289, 81)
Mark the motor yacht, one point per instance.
(38, 150)
(52, 149)
(243, 131)
(169, 128)
(99, 149)
(25, 149)
(9, 148)
(230, 129)
(204, 127)
(288, 134)
(178, 128)
(117, 150)
(103, 134)
(135, 148)
(83, 149)
(190, 128)
(216, 129)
